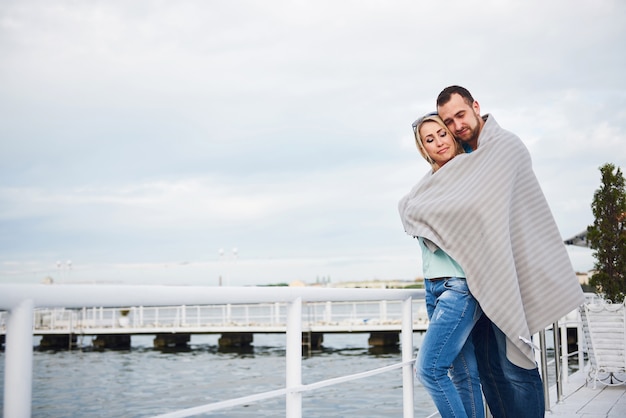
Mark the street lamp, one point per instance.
(221, 255)
(61, 266)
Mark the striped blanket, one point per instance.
(488, 212)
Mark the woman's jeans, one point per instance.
(446, 363)
(510, 391)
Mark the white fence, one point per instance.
(21, 300)
(323, 317)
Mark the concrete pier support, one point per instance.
(112, 341)
(171, 340)
(312, 340)
(384, 339)
(54, 341)
(235, 339)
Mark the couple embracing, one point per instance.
(495, 267)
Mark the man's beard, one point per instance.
(474, 131)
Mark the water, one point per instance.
(143, 381)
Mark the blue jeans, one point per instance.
(511, 391)
(446, 363)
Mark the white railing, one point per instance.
(356, 316)
(21, 300)
(562, 355)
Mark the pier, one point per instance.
(236, 323)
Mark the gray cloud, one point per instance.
(143, 134)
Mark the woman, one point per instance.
(446, 364)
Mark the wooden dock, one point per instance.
(582, 401)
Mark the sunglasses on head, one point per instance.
(419, 121)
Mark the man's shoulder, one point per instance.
(498, 136)
(492, 128)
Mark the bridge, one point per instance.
(237, 323)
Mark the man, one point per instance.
(512, 389)
(461, 114)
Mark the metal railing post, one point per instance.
(557, 363)
(407, 355)
(564, 354)
(328, 312)
(580, 337)
(18, 367)
(544, 369)
(294, 359)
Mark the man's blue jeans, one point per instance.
(511, 391)
(446, 363)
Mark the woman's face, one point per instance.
(438, 143)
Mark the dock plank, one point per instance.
(582, 401)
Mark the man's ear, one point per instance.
(476, 107)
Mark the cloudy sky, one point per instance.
(270, 141)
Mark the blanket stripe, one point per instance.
(488, 212)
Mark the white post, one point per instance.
(18, 372)
(328, 312)
(407, 355)
(294, 358)
(276, 318)
(580, 335)
(383, 310)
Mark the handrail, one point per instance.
(281, 392)
(561, 356)
(21, 300)
(79, 296)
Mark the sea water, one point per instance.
(144, 381)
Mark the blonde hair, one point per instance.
(420, 145)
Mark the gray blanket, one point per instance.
(488, 212)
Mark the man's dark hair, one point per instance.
(446, 94)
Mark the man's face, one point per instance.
(462, 120)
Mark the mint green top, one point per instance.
(438, 264)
